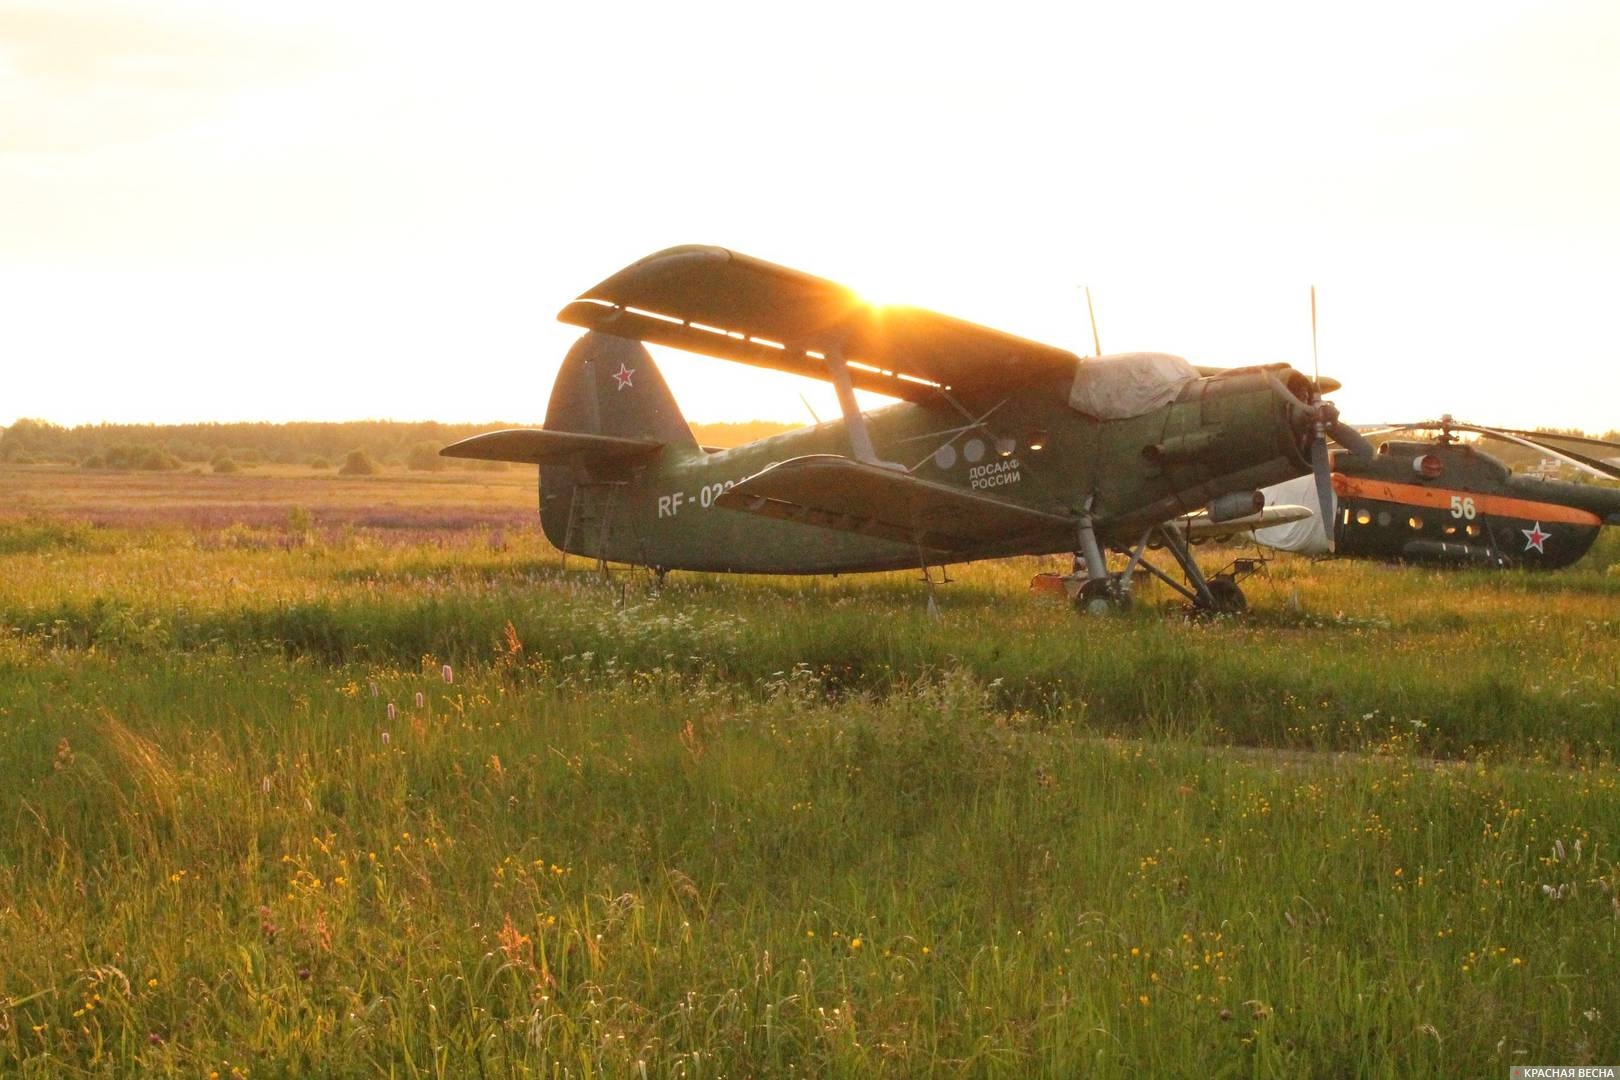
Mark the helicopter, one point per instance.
(1442, 500)
(998, 445)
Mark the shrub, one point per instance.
(226, 464)
(357, 463)
(424, 457)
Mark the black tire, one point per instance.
(1229, 599)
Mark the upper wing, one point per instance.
(538, 446)
(841, 493)
(716, 302)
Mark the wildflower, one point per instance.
(386, 738)
(392, 712)
(1142, 999)
(421, 699)
(449, 676)
(265, 785)
(854, 944)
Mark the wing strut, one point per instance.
(860, 440)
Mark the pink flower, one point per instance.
(449, 676)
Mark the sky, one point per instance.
(312, 210)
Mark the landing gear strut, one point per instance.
(1101, 591)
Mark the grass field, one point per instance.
(312, 775)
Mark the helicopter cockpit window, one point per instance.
(1363, 517)
(1416, 523)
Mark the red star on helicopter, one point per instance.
(622, 377)
(1535, 538)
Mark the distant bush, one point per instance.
(357, 463)
(125, 456)
(226, 464)
(319, 463)
(424, 457)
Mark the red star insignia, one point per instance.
(1535, 538)
(622, 377)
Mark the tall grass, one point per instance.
(777, 826)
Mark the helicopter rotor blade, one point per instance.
(1531, 440)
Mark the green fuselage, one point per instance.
(1225, 433)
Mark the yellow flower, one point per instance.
(1142, 999)
(855, 943)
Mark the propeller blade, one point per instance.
(1096, 342)
(1349, 438)
(1322, 467)
(1316, 365)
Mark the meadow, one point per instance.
(311, 775)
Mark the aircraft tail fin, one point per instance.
(610, 386)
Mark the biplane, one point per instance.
(996, 446)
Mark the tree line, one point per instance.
(227, 447)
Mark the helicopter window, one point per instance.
(1383, 519)
(1451, 530)
(1347, 515)
(1416, 523)
(1036, 440)
(1473, 529)
(1363, 517)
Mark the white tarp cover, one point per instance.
(1128, 384)
(1307, 537)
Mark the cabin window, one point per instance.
(1416, 523)
(1035, 440)
(1363, 517)
(1473, 528)
(1451, 530)
(1383, 519)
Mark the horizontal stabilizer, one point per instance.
(841, 493)
(537, 446)
(1199, 526)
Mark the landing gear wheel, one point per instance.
(1101, 596)
(1229, 599)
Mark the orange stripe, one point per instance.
(1440, 499)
